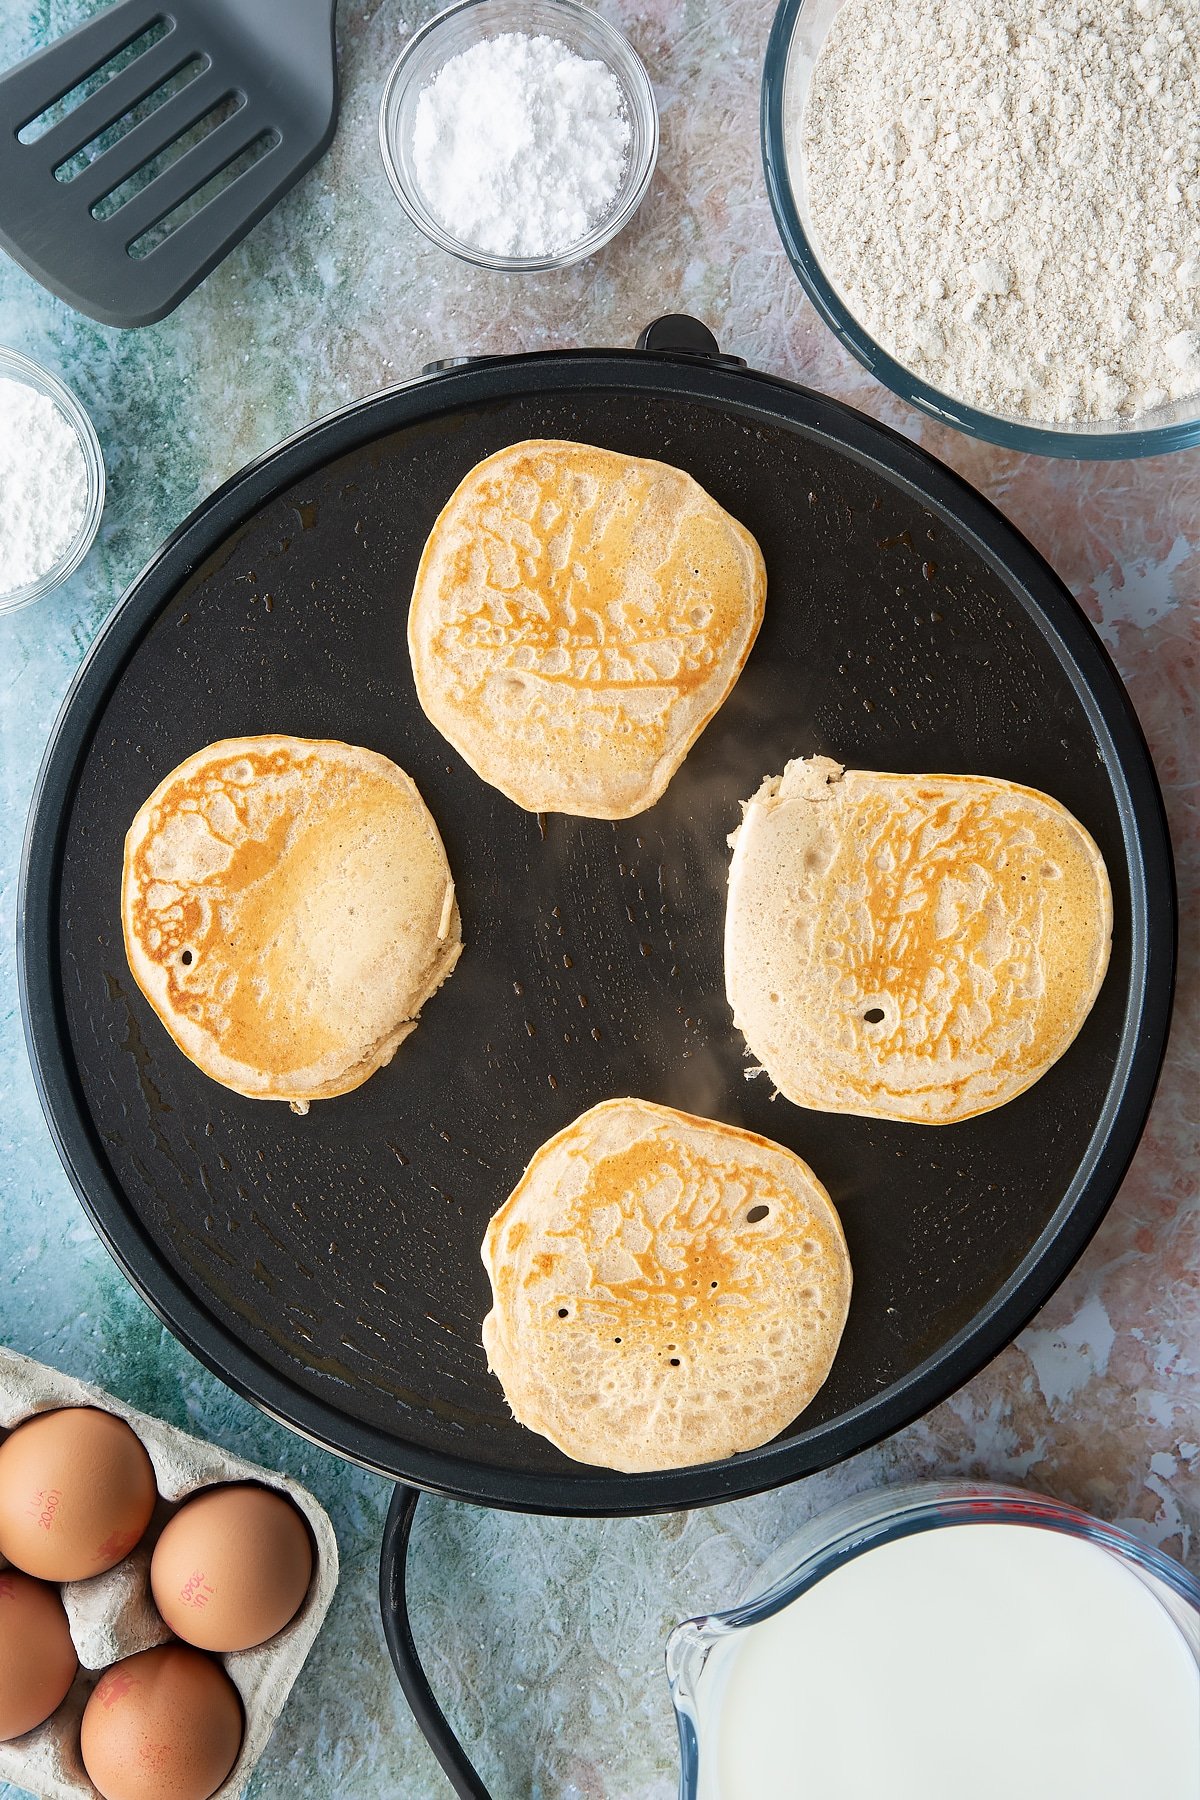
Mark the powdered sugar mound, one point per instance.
(1006, 193)
(43, 484)
(520, 145)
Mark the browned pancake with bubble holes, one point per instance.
(288, 909)
(667, 1290)
(917, 947)
(578, 618)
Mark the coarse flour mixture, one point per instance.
(1006, 193)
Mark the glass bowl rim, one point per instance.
(635, 84)
(14, 364)
(1086, 443)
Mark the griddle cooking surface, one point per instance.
(329, 1265)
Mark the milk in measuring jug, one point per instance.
(973, 1662)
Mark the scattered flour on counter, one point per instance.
(1006, 193)
(43, 484)
(520, 145)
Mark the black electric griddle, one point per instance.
(328, 1267)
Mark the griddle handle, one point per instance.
(674, 334)
(397, 1630)
(678, 334)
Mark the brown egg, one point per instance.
(163, 1725)
(76, 1493)
(37, 1658)
(232, 1567)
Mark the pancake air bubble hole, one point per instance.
(874, 1015)
(186, 959)
(674, 1362)
(563, 1313)
(756, 1213)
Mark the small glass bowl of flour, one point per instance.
(51, 482)
(995, 205)
(520, 135)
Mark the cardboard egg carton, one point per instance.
(113, 1616)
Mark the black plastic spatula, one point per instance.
(140, 148)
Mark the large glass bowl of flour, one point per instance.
(973, 230)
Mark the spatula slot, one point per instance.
(220, 183)
(168, 156)
(64, 104)
(112, 135)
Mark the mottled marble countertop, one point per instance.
(546, 1636)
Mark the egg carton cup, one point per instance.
(113, 1615)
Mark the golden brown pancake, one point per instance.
(578, 618)
(915, 947)
(288, 909)
(666, 1290)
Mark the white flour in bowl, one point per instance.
(43, 485)
(519, 145)
(1006, 194)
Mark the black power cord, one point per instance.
(397, 1630)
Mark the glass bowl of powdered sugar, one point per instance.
(996, 208)
(51, 482)
(520, 135)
